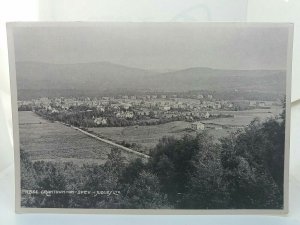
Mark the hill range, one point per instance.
(105, 76)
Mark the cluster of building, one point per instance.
(137, 107)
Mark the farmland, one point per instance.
(145, 136)
(148, 136)
(52, 141)
(243, 118)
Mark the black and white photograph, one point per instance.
(143, 116)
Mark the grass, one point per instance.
(148, 136)
(48, 141)
(145, 136)
(243, 118)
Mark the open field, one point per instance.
(45, 140)
(243, 118)
(148, 136)
(48, 141)
(145, 136)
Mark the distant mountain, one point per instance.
(80, 76)
(215, 79)
(105, 76)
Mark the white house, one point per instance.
(166, 108)
(197, 126)
(101, 109)
(261, 104)
(126, 106)
(129, 115)
(55, 111)
(206, 115)
(252, 103)
(100, 121)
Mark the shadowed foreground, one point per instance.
(243, 171)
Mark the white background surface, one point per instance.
(143, 10)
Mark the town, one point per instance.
(144, 109)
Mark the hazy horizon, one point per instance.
(157, 46)
(150, 70)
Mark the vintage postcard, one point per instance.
(151, 118)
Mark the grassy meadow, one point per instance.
(52, 141)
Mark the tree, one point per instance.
(206, 188)
(247, 159)
(174, 162)
(102, 178)
(144, 193)
(49, 177)
(28, 179)
(131, 171)
(115, 162)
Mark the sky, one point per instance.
(165, 46)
